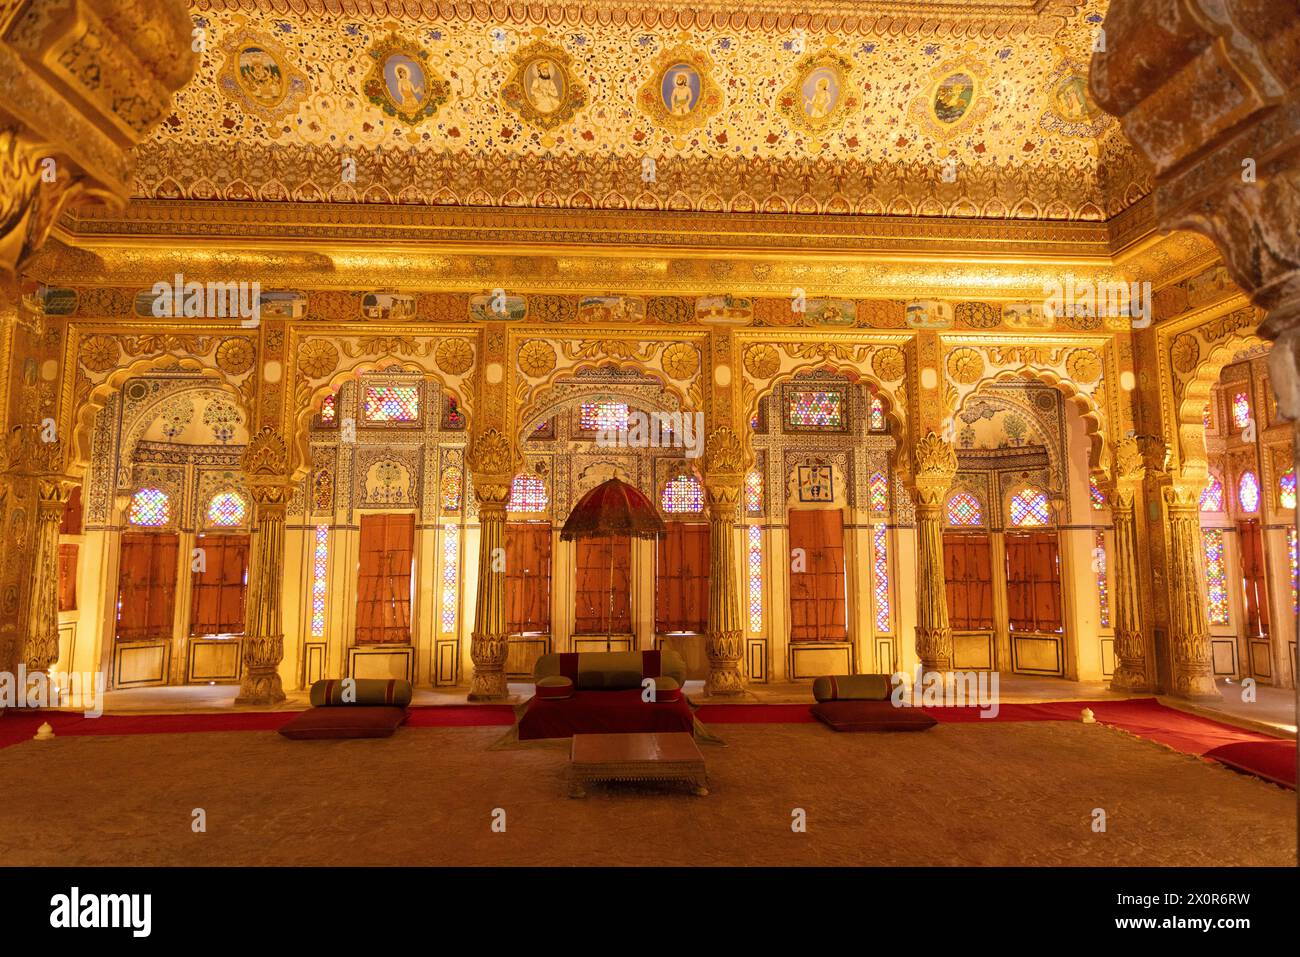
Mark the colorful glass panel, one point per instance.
(1095, 495)
(816, 410)
(329, 409)
(964, 509)
(683, 494)
(603, 417)
(1294, 558)
(1286, 488)
(755, 551)
(392, 403)
(527, 494)
(1248, 492)
(754, 492)
(878, 492)
(227, 509)
(150, 508)
(453, 484)
(1216, 576)
(319, 565)
(880, 576)
(1212, 496)
(1240, 410)
(1103, 585)
(1029, 508)
(877, 414)
(450, 574)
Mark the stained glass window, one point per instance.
(1240, 410)
(755, 551)
(450, 572)
(227, 509)
(1205, 418)
(880, 575)
(877, 414)
(1286, 488)
(1029, 508)
(815, 410)
(1095, 495)
(329, 409)
(683, 494)
(392, 403)
(1248, 492)
(453, 484)
(1216, 576)
(319, 565)
(1103, 585)
(150, 507)
(754, 492)
(603, 417)
(1212, 496)
(1294, 558)
(452, 419)
(527, 494)
(878, 491)
(964, 509)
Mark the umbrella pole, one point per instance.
(609, 613)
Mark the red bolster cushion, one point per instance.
(378, 721)
(871, 716)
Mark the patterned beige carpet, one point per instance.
(958, 794)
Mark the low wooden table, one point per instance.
(661, 756)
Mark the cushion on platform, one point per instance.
(666, 690)
(603, 712)
(376, 721)
(871, 716)
(554, 686)
(611, 670)
(853, 688)
(347, 692)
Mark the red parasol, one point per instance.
(611, 510)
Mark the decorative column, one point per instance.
(265, 467)
(724, 461)
(41, 650)
(493, 461)
(1130, 647)
(936, 464)
(1188, 628)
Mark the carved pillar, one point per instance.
(1189, 630)
(41, 650)
(493, 460)
(78, 88)
(724, 465)
(936, 464)
(265, 467)
(1130, 645)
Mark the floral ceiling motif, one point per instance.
(297, 96)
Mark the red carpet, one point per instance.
(1273, 759)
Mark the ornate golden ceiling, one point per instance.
(884, 108)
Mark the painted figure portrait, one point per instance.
(680, 89)
(1072, 99)
(260, 76)
(404, 79)
(953, 97)
(544, 83)
(820, 93)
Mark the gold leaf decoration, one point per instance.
(966, 366)
(680, 360)
(454, 356)
(1186, 353)
(762, 361)
(99, 353)
(317, 358)
(536, 358)
(266, 454)
(235, 356)
(1084, 366)
(888, 364)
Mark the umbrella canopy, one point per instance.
(613, 508)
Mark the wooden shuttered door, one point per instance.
(817, 598)
(1254, 578)
(1033, 582)
(528, 578)
(968, 579)
(593, 590)
(682, 579)
(146, 586)
(384, 579)
(220, 586)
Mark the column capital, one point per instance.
(494, 461)
(936, 465)
(725, 462)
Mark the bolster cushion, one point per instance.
(667, 690)
(870, 716)
(611, 670)
(391, 692)
(554, 686)
(853, 688)
(377, 721)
